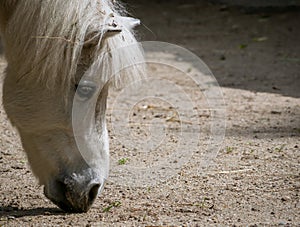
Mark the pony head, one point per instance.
(62, 58)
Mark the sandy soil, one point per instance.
(255, 179)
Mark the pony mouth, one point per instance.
(66, 206)
(67, 200)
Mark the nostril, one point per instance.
(93, 192)
(73, 196)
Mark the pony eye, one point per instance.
(85, 89)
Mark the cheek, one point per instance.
(34, 110)
(41, 160)
(50, 153)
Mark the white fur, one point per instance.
(53, 50)
(50, 45)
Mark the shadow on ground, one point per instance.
(259, 52)
(11, 211)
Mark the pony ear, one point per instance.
(114, 26)
(130, 22)
(110, 29)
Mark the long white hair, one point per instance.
(45, 41)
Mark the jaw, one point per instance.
(71, 180)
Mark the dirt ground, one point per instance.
(255, 179)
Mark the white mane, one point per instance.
(45, 41)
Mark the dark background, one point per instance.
(253, 47)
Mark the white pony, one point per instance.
(49, 46)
